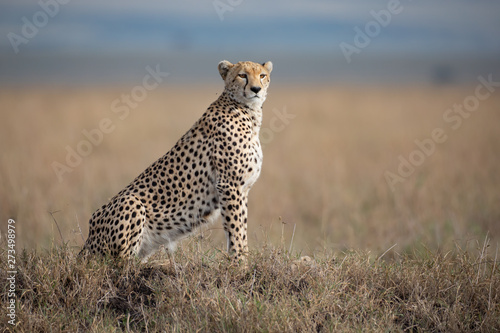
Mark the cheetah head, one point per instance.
(246, 82)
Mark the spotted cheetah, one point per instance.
(208, 173)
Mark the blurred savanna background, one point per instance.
(381, 127)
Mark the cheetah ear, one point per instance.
(224, 67)
(269, 66)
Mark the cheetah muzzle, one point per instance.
(208, 173)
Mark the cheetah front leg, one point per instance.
(234, 218)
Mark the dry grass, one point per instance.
(351, 292)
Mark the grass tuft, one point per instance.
(201, 290)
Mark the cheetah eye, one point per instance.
(243, 76)
(262, 76)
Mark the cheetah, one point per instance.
(208, 173)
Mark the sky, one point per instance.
(85, 41)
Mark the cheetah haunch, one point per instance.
(208, 173)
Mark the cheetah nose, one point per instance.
(255, 89)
